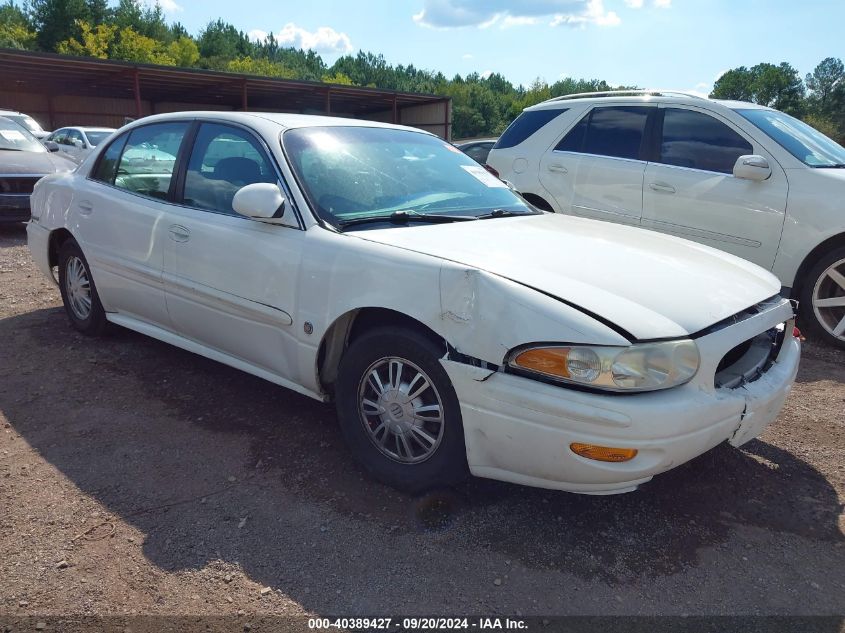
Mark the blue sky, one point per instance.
(680, 44)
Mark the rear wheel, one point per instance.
(823, 299)
(399, 412)
(79, 293)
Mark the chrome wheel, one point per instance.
(829, 299)
(78, 287)
(401, 410)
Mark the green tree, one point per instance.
(221, 40)
(778, 87)
(92, 42)
(263, 67)
(823, 81)
(131, 46)
(15, 30)
(145, 20)
(736, 84)
(184, 51)
(337, 78)
(56, 20)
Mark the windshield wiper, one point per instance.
(504, 213)
(833, 166)
(405, 217)
(11, 149)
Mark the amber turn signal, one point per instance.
(603, 453)
(551, 361)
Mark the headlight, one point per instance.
(641, 367)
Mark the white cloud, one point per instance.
(518, 20)
(635, 4)
(324, 40)
(444, 14)
(486, 74)
(663, 4)
(168, 6)
(593, 14)
(468, 56)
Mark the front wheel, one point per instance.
(823, 299)
(399, 412)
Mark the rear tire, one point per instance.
(399, 412)
(822, 299)
(79, 294)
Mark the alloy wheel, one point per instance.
(401, 410)
(829, 299)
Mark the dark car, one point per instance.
(23, 161)
(477, 149)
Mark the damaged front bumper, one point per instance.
(520, 430)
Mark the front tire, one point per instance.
(822, 308)
(399, 412)
(79, 294)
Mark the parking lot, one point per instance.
(139, 478)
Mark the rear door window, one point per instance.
(610, 131)
(699, 141)
(149, 158)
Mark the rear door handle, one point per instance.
(85, 207)
(662, 186)
(558, 169)
(179, 233)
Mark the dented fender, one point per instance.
(485, 316)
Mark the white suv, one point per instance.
(736, 176)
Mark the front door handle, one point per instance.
(179, 233)
(558, 169)
(85, 207)
(661, 186)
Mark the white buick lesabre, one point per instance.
(456, 327)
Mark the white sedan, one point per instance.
(456, 327)
(77, 142)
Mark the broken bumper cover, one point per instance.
(520, 430)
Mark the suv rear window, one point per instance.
(525, 125)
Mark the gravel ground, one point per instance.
(136, 478)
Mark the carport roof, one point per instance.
(54, 74)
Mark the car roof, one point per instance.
(284, 120)
(3, 112)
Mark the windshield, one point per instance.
(95, 138)
(806, 143)
(349, 173)
(15, 138)
(26, 121)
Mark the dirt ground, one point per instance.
(136, 478)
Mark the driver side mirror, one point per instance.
(51, 146)
(261, 200)
(752, 167)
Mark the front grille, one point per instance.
(17, 185)
(749, 360)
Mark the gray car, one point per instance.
(23, 161)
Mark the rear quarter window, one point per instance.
(525, 125)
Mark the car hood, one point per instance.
(33, 163)
(650, 285)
